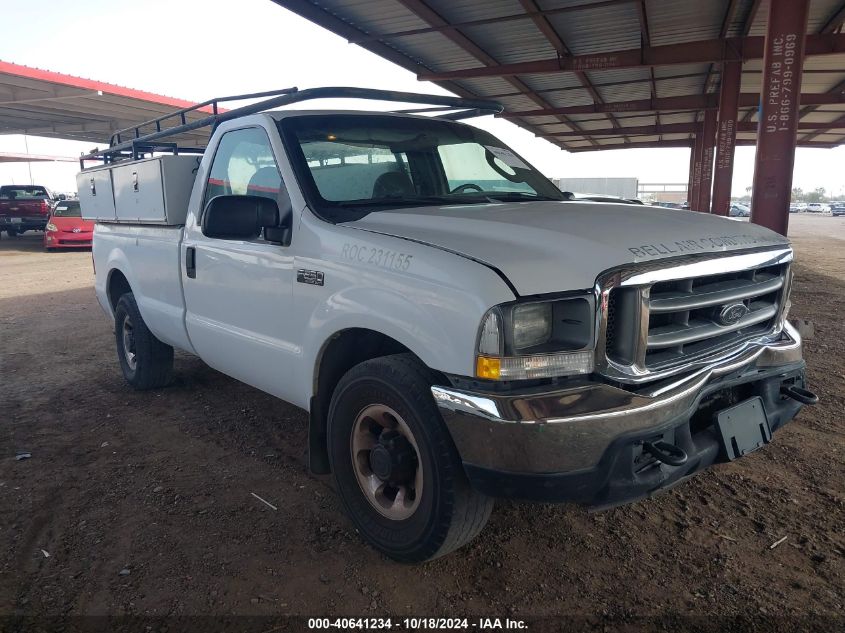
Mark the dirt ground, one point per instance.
(141, 503)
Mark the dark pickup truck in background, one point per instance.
(24, 208)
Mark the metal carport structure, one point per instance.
(14, 157)
(45, 103)
(590, 75)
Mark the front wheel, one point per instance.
(396, 469)
(147, 363)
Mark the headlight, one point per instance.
(51, 227)
(537, 339)
(532, 324)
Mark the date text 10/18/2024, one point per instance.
(417, 624)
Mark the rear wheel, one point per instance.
(396, 469)
(147, 363)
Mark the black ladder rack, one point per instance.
(140, 143)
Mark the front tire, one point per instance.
(147, 363)
(397, 472)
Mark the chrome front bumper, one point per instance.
(570, 429)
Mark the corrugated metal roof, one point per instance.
(437, 37)
(55, 105)
(521, 44)
(467, 10)
(618, 24)
(683, 21)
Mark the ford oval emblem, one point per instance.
(732, 313)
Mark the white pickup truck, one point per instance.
(456, 328)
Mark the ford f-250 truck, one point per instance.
(455, 328)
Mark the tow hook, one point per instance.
(805, 396)
(666, 453)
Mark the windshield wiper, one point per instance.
(510, 196)
(479, 198)
(410, 200)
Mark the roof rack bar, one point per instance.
(463, 114)
(471, 107)
(418, 110)
(199, 106)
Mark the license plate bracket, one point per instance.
(744, 428)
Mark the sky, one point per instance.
(199, 49)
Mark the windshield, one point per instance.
(23, 192)
(352, 165)
(67, 210)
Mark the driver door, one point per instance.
(238, 296)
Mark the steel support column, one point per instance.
(707, 152)
(691, 179)
(697, 151)
(726, 137)
(776, 135)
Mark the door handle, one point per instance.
(191, 262)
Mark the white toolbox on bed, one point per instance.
(147, 191)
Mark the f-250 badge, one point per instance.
(313, 277)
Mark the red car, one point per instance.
(66, 228)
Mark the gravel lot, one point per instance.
(143, 501)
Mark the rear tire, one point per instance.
(147, 363)
(438, 510)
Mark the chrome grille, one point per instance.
(684, 315)
(656, 321)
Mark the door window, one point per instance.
(244, 165)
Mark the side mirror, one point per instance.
(239, 217)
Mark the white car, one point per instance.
(817, 207)
(738, 210)
(456, 330)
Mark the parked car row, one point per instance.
(818, 207)
(739, 209)
(742, 210)
(35, 208)
(736, 210)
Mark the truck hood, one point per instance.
(552, 246)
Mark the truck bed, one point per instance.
(150, 255)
